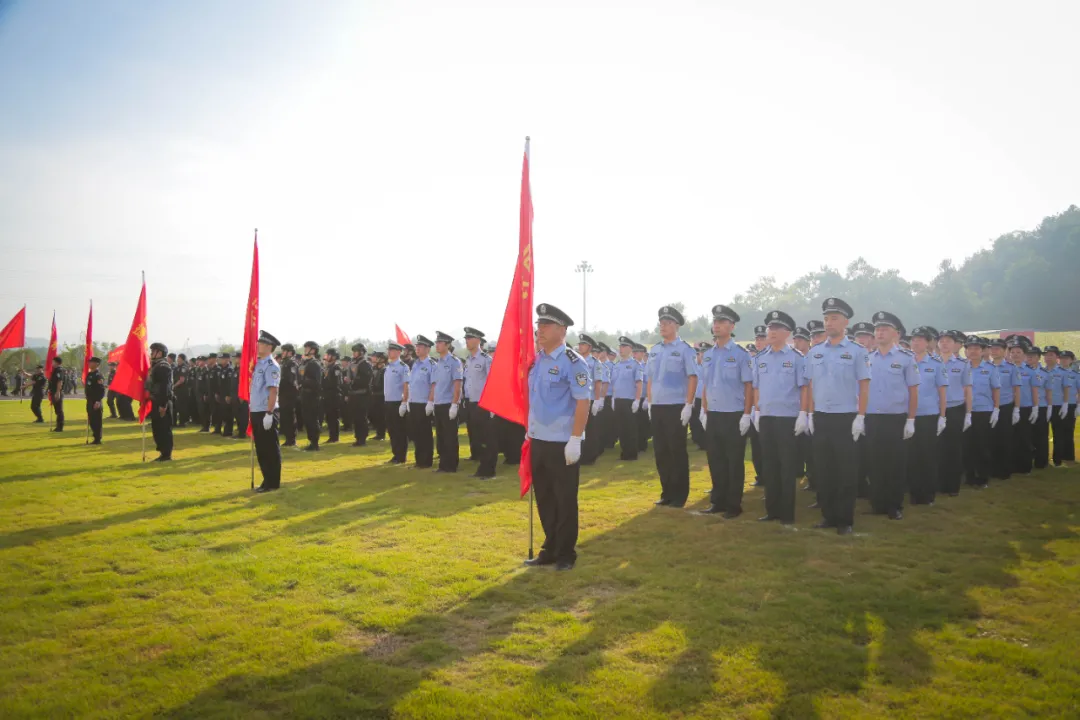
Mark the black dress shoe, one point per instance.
(896, 515)
(823, 525)
(732, 514)
(226, 434)
(441, 470)
(676, 506)
(564, 565)
(766, 518)
(711, 510)
(260, 489)
(539, 561)
(162, 458)
(662, 501)
(96, 442)
(331, 442)
(311, 448)
(814, 506)
(478, 476)
(39, 421)
(204, 430)
(844, 530)
(359, 443)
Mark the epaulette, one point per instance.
(484, 354)
(935, 358)
(906, 352)
(574, 357)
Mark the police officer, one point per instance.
(727, 400)
(697, 430)
(1068, 359)
(1060, 386)
(56, 392)
(180, 390)
(1027, 399)
(289, 395)
(805, 465)
(419, 403)
(95, 393)
(559, 392)
(1040, 429)
(445, 393)
(985, 400)
(311, 381)
(672, 373)
(111, 395)
(377, 403)
(1002, 436)
(331, 394)
(394, 379)
(958, 400)
(197, 387)
(206, 389)
(626, 377)
(759, 345)
(37, 392)
(230, 384)
(863, 334)
(816, 328)
(265, 381)
(213, 394)
(361, 376)
(781, 402)
(838, 373)
(592, 447)
(483, 433)
(160, 384)
(930, 421)
(644, 427)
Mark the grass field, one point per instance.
(131, 590)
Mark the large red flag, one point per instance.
(51, 352)
(14, 333)
(134, 364)
(116, 354)
(506, 392)
(250, 353)
(89, 343)
(402, 338)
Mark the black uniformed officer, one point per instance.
(361, 377)
(56, 392)
(755, 437)
(311, 380)
(213, 394)
(289, 394)
(95, 393)
(376, 409)
(181, 371)
(229, 385)
(111, 395)
(240, 407)
(37, 392)
(331, 394)
(160, 383)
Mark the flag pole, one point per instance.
(142, 422)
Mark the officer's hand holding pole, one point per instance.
(597, 406)
(453, 411)
(687, 411)
(967, 422)
(429, 409)
(858, 427)
(909, 428)
(402, 409)
(994, 417)
(1034, 416)
(635, 406)
(744, 424)
(1064, 412)
(572, 453)
(941, 424)
(704, 418)
(1016, 415)
(800, 423)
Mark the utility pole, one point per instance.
(584, 268)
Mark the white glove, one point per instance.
(635, 406)
(1076, 411)
(744, 424)
(645, 404)
(967, 422)
(810, 423)
(858, 427)
(1063, 412)
(268, 421)
(597, 406)
(648, 409)
(1033, 418)
(800, 423)
(1016, 415)
(572, 453)
(491, 415)
(994, 417)
(1047, 413)
(453, 411)
(704, 420)
(941, 425)
(909, 428)
(402, 409)
(687, 411)
(429, 409)
(756, 419)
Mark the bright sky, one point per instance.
(683, 149)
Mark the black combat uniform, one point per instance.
(37, 393)
(311, 377)
(361, 378)
(331, 394)
(376, 409)
(213, 395)
(228, 384)
(111, 395)
(95, 393)
(288, 396)
(199, 396)
(159, 384)
(56, 396)
(181, 373)
(239, 405)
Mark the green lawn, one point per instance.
(367, 591)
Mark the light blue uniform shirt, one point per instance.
(1043, 376)
(932, 376)
(420, 378)
(609, 366)
(265, 375)
(644, 379)
(984, 379)
(596, 370)
(447, 370)
(477, 368)
(625, 375)
(1009, 376)
(834, 372)
(1029, 378)
(671, 365)
(556, 382)
(1060, 383)
(699, 391)
(724, 372)
(394, 379)
(959, 374)
(891, 375)
(779, 377)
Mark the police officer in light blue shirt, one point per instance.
(1040, 429)
(672, 374)
(481, 426)
(1002, 435)
(263, 404)
(591, 447)
(1060, 386)
(1028, 404)
(560, 388)
(1068, 359)
(985, 394)
(421, 406)
(957, 411)
(395, 376)
(697, 429)
(609, 432)
(923, 454)
(625, 384)
(641, 353)
(446, 394)
(890, 415)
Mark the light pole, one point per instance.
(584, 268)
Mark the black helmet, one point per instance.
(159, 346)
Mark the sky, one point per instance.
(683, 149)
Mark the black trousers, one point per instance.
(35, 407)
(299, 411)
(978, 453)
(111, 399)
(862, 468)
(1002, 443)
(1070, 433)
(423, 443)
(58, 408)
(923, 456)
(345, 413)
(644, 428)
(205, 412)
(161, 427)
(360, 405)
(331, 410)
(377, 415)
(267, 450)
(511, 438)
(217, 415)
(93, 416)
(556, 487)
(780, 455)
(123, 407)
(951, 448)
(484, 439)
(726, 448)
(1040, 440)
(806, 458)
(1063, 435)
(607, 417)
(697, 432)
(1022, 449)
(180, 413)
(755, 454)
(446, 438)
(288, 422)
(228, 415)
(836, 467)
(310, 405)
(397, 427)
(888, 462)
(592, 446)
(626, 428)
(669, 449)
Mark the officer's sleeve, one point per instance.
(272, 375)
(965, 376)
(456, 373)
(911, 372)
(690, 361)
(581, 382)
(639, 373)
(800, 373)
(746, 367)
(862, 364)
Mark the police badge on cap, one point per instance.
(546, 313)
(838, 306)
(670, 313)
(780, 319)
(723, 312)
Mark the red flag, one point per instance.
(506, 392)
(89, 343)
(134, 363)
(250, 353)
(402, 338)
(14, 333)
(115, 355)
(51, 353)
